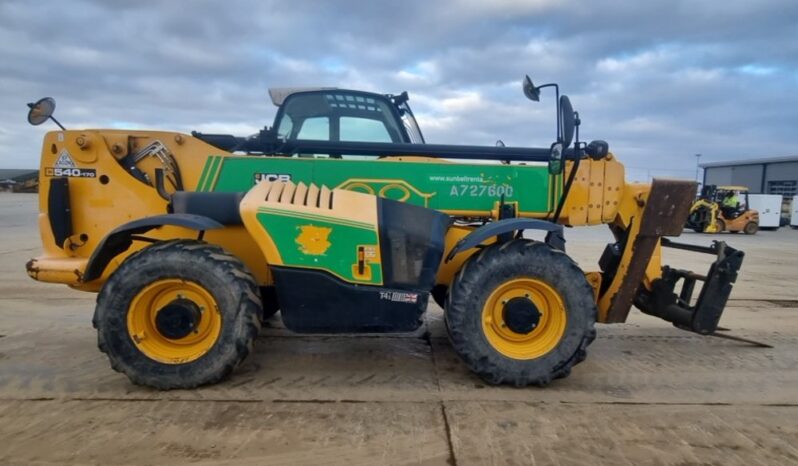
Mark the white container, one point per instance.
(769, 208)
(794, 213)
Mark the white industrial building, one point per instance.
(764, 178)
(776, 175)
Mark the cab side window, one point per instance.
(316, 128)
(363, 129)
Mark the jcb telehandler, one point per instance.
(344, 219)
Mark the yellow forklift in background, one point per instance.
(723, 208)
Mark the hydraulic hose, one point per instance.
(567, 188)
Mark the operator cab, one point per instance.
(329, 115)
(338, 115)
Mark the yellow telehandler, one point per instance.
(344, 219)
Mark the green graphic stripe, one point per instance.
(215, 177)
(212, 172)
(208, 163)
(320, 218)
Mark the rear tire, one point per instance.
(178, 314)
(495, 346)
(751, 228)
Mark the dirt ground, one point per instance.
(647, 394)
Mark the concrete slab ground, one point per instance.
(647, 394)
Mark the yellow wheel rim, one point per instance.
(143, 324)
(548, 330)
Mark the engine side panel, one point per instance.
(344, 261)
(339, 236)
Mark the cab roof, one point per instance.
(279, 94)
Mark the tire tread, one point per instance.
(226, 265)
(467, 293)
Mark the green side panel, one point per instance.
(341, 240)
(441, 186)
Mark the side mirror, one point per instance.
(567, 120)
(530, 91)
(41, 111)
(555, 159)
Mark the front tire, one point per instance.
(178, 314)
(520, 313)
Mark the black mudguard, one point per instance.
(120, 239)
(554, 238)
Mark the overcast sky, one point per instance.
(659, 80)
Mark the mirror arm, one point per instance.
(556, 106)
(58, 123)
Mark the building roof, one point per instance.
(753, 161)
